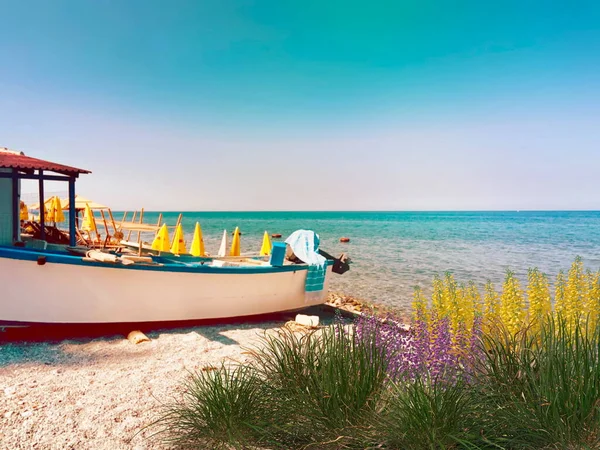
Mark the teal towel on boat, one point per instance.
(305, 245)
(315, 278)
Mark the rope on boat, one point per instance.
(126, 260)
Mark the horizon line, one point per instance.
(354, 210)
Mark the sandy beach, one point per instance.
(100, 393)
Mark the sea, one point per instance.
(392, 252)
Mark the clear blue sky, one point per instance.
(271, 105)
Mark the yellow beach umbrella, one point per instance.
(89, 221)
(60, 217)
(50, 213)
(197, 248)
(24, 212)
(161, 241)
(47, 210)
(235, 244)
(265, 250)
(178, 246)
(55, 213)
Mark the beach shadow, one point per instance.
(216, 336)
(55, 333)
(74, 344)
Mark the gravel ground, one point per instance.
(100, 393)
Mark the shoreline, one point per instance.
(356, 305)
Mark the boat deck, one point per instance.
(158, 263)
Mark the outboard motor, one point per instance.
(341, 265)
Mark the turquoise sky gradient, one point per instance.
(240, 105)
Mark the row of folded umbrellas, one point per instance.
(162, 243)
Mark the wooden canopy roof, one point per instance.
(17, 160)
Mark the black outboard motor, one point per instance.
(340, 265)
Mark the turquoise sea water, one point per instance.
(394, 251)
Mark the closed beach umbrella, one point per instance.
(161, 241)
(49, 214)
(60, 217)
(223, 248)
(49, 210)
(55, 213)
(89, 221)
(235, 243)
(24, 213)
(265, 250)
(197, 248)
(178, 246)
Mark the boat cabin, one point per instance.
(16, 166)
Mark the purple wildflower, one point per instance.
(442, 360)
(435, 353)
(474, 351)
(388, 337)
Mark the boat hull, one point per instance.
(65, 289)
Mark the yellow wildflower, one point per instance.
(475, 299)
(419, 306)
(470, 305)
(438, 305)
(538, 293)
(559, 293)
(592, 306)
(452, 302)
(512, 307)
(491, 307)
(576, 293)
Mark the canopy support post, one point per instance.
(42, 206)
(72, 213)
(16, 207)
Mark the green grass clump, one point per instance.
(327, 386)
(424, 415)
(543, 388)
(318, 390)
(223, 408)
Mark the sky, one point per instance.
(309, 105)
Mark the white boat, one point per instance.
(42, 285)
(45, 287)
